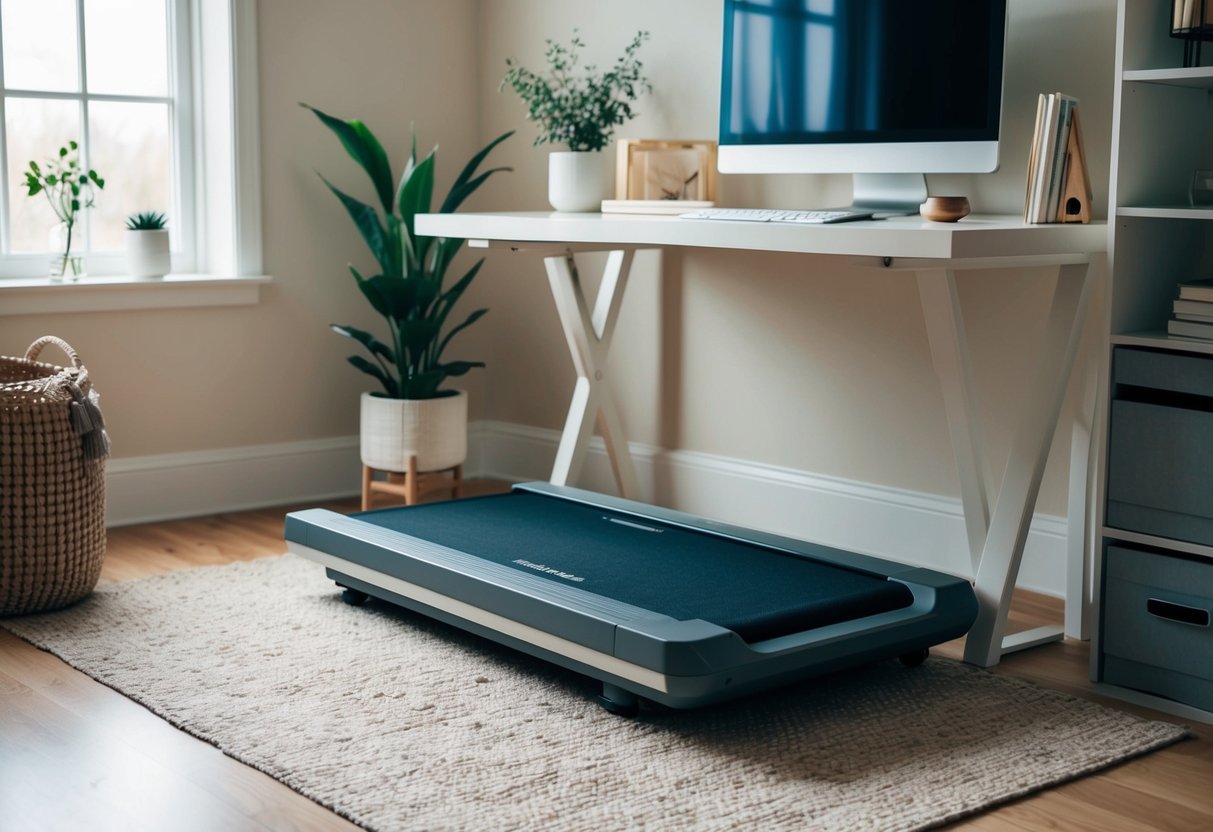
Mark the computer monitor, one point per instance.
(886, 90)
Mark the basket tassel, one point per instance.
(88, 422)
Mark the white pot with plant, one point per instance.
(412, 416)
(148, 254)
(580, 111)
(69, 188)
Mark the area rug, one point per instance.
(399, 723)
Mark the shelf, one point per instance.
(1166, 212)
(1153, 541)
(1160, 340)
(1200, 77)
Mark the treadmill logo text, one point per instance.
(547, 570)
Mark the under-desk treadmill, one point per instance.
(657, 604)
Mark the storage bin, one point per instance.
(1160, 445)
(1157, 635)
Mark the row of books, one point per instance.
(1186, 15)
(1193, 311)
(1058, 188)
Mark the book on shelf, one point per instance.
(1029, 190)
(1196, 290)
(1199, 308)
(1190, 329)
(1058, 187)
(1186, 15)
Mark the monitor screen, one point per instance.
(861, 86)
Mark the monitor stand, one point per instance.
(889, 194)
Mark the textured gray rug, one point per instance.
(399, 723)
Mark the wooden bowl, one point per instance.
(944, 208)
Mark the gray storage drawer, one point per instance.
(1160, 445)
(1170, 371)
(1156, 615)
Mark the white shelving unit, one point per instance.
(1162, 132)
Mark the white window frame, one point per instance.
(221, 197)
(179, 98)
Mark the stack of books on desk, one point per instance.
(1193, 310)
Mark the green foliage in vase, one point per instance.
(68, 186)
(580, 110)
(409, 290)
(146, 221)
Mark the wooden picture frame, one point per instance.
(674, 170)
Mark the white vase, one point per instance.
(147, 252)
(433, 430)
(575, 180)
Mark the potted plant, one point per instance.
(69, 189)
(147, 245)
(413, 415)
(580, 111)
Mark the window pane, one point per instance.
(131, 152)
(127, 46)
(36, 130)
(40, 49)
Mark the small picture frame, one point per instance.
(674, 170)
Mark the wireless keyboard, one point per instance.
(773, 215)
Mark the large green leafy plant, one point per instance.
(409, 291)
(579, 110)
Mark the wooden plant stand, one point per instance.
(411, 485)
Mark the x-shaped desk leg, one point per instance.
(589, 336)
(997, 537)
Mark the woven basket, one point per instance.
(52, 482)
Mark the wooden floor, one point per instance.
(76, 755)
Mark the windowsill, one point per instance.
(31, 296)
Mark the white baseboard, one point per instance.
(902, 525)
(908, 526)
(147, 489)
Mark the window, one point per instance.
(113, 76)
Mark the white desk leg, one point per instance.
(1079, 525)
(589, 338)
(1012, 513)
(950, 355)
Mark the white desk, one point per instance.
(997, 528)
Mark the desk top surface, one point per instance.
(974, 237)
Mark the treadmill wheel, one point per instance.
(353, 597)
(616, 700)
(915, 658)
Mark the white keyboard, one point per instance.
(773, 215)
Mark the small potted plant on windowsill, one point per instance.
(581, 112)
(69, 188)
(147, 245)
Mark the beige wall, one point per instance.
(205, 378)
(799, 362)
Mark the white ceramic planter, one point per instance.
(147, 253)
(575, 180)
(435, 430)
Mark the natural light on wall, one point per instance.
(97, 72)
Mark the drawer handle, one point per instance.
(1178, 612)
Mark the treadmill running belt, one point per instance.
(756, 592)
